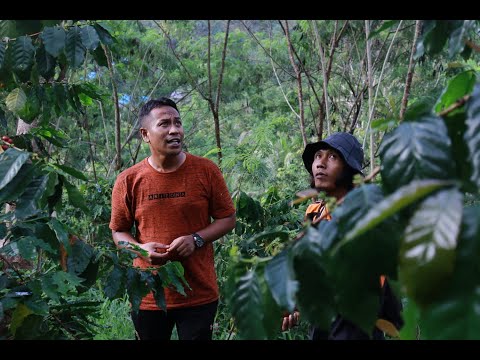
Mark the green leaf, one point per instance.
(416, 150)
(26, 246)
(79, 259)
(457, 318)
(271, 311)
(12, 164)
(427, 253)
(16, 100)
(74, 48)
(90, 38)
(45, 63)
(28, 203)
(54, 40)
(392, 204)
(100, 57)
(136, 288)
(61, 233)
(18, 316)
(280, 278)
(455, 41)
(435, 39)
(472, 135)
(16, 188)
(2, 52)
(387, 24)
(55, 137)
(247, 307)
(70, 171)
(315, 295)
(75, 197)
(8, 28)
(103, 34)
(410, 315)
(23, 52)
(155, 284)
(115, 283)
(459, 307)
(462, 84)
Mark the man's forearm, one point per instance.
(218, 228)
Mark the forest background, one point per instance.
(251, 95)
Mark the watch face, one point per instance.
(198, 240)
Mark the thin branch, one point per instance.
(411, 67)
(456, 105)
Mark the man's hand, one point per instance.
(152, 251)
(184, 246)
(290, 320)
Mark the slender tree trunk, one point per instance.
(118, 146)
(298, 76)
(411, 68)
(370, 91)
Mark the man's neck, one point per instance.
(166, 164)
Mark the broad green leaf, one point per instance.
(74, 48)
(53, 136)
(315, 295)
(103, 34)
(462, 84)
(8, 28)
(100, 57)
(416, 150)
(427, 253)
(61, 233)
(28, 203)
(271, 311)
(457, 127)
(49, 287)
(157, 287)
(23, 52)
(70, 171)
(171, 274)
(16, 100)
(115, 283)
(18, 316)
(410, 315)
(80, 257)
(54, 40)
(136, 288)
(90, 38)
(472, 135)
(75, 196)
(2, 53)
(459, 307)
(14, 189)
(435, 40)
(387, 24)
(65, 282)
(45, 63)
(280, 278)
(356, 204)
(457, 318)
(50, 189)
(247, 307)
(455, 41)
(26, 246)
(269, 235)
(393, 203)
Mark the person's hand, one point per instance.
(182, 246)
(290, 320)
(154, 252)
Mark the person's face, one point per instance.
(164, 131)
(326, 168)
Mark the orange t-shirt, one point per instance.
(164, 206)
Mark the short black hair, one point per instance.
(153, 104)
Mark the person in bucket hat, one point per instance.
(332, 164)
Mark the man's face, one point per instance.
(326, 168)
(164, 130)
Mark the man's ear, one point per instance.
(144, 135)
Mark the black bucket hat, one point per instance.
(345, 143)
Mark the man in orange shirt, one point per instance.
(332, 164)
(170, 197)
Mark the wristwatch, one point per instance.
(198, 240)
